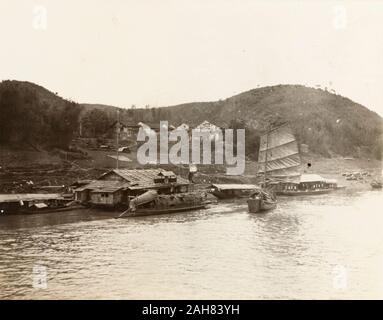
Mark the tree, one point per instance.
(95, 122)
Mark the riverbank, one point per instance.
(19, 168)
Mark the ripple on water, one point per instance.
(220, 252)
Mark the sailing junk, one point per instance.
(279, 160)
(279, 153)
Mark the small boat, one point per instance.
(376, 184)
(261, 201)
(263, 198)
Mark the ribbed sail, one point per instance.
(282, 152)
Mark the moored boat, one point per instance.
(42, 208)
(376, 184)
(35, 203)
(152, 203)
(279, 158)
(141, 192)
(229, 191)
(304, 185)
(158, 211)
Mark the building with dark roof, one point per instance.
(117, 187)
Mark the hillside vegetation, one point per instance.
(330, 124)
(31, 115)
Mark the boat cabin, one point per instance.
(117, 187)
(227, 191)
(304, 183)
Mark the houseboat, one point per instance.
(146, 191)
(305, 184)
(34, 203)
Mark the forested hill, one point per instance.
(32, 115)
(329, 123)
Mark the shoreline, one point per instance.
(13, 179)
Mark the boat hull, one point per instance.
(258, 205)
(48, 210)
(232, 195)
(149, 212)
(265, 205)
(304, 193)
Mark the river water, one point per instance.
(321, 247)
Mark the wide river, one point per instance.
(321, 247)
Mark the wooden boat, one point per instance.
(229, 191)
(303, 192)
(39, 208)
(159, 211)
(152, 203)
(305, 185)
(11, 204)
(376, 184)
(261, 201)
(50, 209)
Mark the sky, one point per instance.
(160, 53)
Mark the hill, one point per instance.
(32, 115)
(329, 123)
(110, 110)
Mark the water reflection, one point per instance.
(220, 252)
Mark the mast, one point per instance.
(267, 149)
(117, 135)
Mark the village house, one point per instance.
(183, 127)
(149, 128)
(212, 129)
(117, 187)
(126, 131)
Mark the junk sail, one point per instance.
(279, 153)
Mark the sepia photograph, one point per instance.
(191, 150)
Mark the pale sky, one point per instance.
(169, 52)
